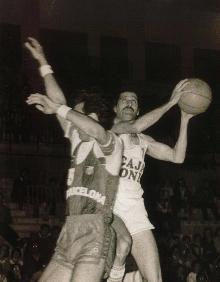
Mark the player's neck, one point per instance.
(134, 138)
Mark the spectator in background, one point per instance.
(6, 230)
(202, 276)
(209, 247)
(181, 197)
(215, 275)
(4, 260)
(45, 243)
(164, 212)
(183, 214)
(16, 263)
(217, 240)
(32, 261)
(196, 247)
(180, 274)
(167, 188)
(51, 193)
(3, 278)
(196, 268)
(20, 188)
(206, 200)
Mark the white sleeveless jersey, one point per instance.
(132, 167)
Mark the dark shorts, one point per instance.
(85, 239)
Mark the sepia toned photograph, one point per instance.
(109, 141)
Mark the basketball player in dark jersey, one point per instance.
(85, 248)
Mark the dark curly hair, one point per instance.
(95, 102)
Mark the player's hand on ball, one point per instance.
(186, 115)
(178, 91)
(42, 103)
(35, 48)
(198, 98)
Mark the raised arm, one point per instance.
(177, 154)
(148, 119)
(53, 90)
(85, 123)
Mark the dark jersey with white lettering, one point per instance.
(93, 176)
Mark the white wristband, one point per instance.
(63, 110)
(45, 69)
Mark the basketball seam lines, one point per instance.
(200, 107)
(200, 96)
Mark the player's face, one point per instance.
(127, 106)
(83, 135)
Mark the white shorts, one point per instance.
(133, 213)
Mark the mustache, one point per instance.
(129, 108)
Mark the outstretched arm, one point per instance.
(163, 152)
(148, 119)
(53, 90)
(81, 121)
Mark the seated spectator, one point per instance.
(16, 263)
(5, 260)
(32, 261)
(197, 247)
(195, 269)
(20, 188)
(55, 231)
(44, 211)
(6, 231)
(164, 213)
(208, 244)
(180, 274)
(217, 240)
(3, 278)
(215, 275)
(183, 214)
(204, 199)
(182, 196)
(203, 276)
(45, 243)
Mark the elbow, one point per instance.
(179, 160)
(99, 134)
(62, 101)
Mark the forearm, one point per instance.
(148, 119)
(53, 90)
(88, 125)
(143, 122)
(179, 151)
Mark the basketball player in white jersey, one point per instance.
(129, 199)
(129, 204)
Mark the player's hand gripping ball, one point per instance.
(198, 99)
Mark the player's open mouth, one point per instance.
(128, 109)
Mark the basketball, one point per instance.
(198, 99)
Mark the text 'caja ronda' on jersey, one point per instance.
(132, 168)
